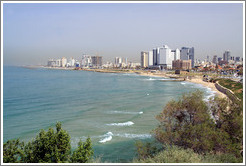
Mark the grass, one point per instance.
(235, 87)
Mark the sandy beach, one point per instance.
(207, 84)
(197, 80)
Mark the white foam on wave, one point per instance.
(130, 74)
(157, 79)
(183, 83)
(124, 112)
(208, 91)
(140, 136)
(129, 123)
(107, 137)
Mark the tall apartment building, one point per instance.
(176, 54)
(71, 62)
(237, 59)
(51, 63)
(220, 59)
(187, 53)
(165, 58)
(86, 61)
(58, 62)
(156, 52)
(144, 59)
(63, 62)
(226, 56)
(215, 59)
(96, 61)
(151, 60)
(181, 64)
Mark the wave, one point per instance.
(108, 137)
(140, 136)
(208, 91)
(129, 123)
(125, 112)
(130, 74)
(157, 79)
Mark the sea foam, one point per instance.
(139, 136)
(124, 112)
(129, 123)
(107, 137)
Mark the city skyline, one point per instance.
(34, 33)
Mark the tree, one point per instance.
(229, 119)
(48, 147)
(188, 123)
(83, 153)
(13, 151)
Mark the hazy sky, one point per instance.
(33, 33)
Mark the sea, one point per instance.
(114, 109)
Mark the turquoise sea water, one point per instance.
(115, 110)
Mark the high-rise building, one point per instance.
(71, 62)
(156, 53)
(63, 62)
(207, 58)
(126, 61)
(165, 58)
(86, 61)
(151, 60)
(226, 56)
(116, 60)
(237, 59)
(120, 60)
(144, 59)
(176, 54)
(58, 62)
(96, 61)
(219, 59)
(51, 63)
(215, 59)
(187, 53)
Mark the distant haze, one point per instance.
(33, 33)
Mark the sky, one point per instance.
(36, 32)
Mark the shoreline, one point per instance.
(196, 80)
(208, 85)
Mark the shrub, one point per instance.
(47, 147)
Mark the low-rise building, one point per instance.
(181, 64)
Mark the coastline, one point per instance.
(196, 80)
(208, 85)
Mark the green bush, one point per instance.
(221, 158)
(191, 123)
(48, 147)
(174, 154)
